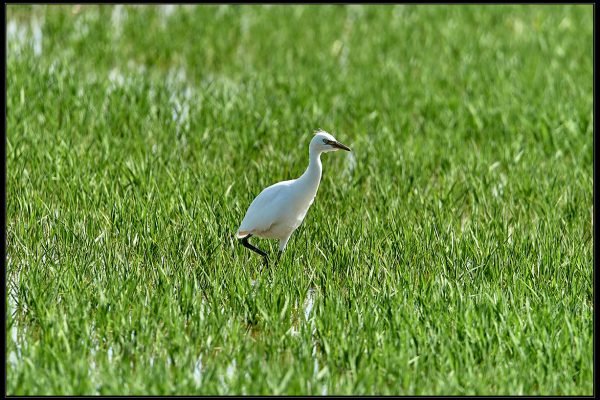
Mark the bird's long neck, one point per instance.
(312, 176)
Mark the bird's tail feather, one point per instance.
(241, 234)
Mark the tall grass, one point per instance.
(451, 253)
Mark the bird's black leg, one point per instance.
(247, 244)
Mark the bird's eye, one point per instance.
(325, 141)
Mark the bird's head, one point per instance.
(324, 142)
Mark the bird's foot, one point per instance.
(265, 263)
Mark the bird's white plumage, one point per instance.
(280, 208)
(257, 220)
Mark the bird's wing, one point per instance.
(264, 210)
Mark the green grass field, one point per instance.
(450, 253)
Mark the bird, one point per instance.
(280, 208)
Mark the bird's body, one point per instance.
(280, 208)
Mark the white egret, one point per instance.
(279, 209)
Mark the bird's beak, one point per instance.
(340, 146)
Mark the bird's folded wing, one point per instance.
(263, 211)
